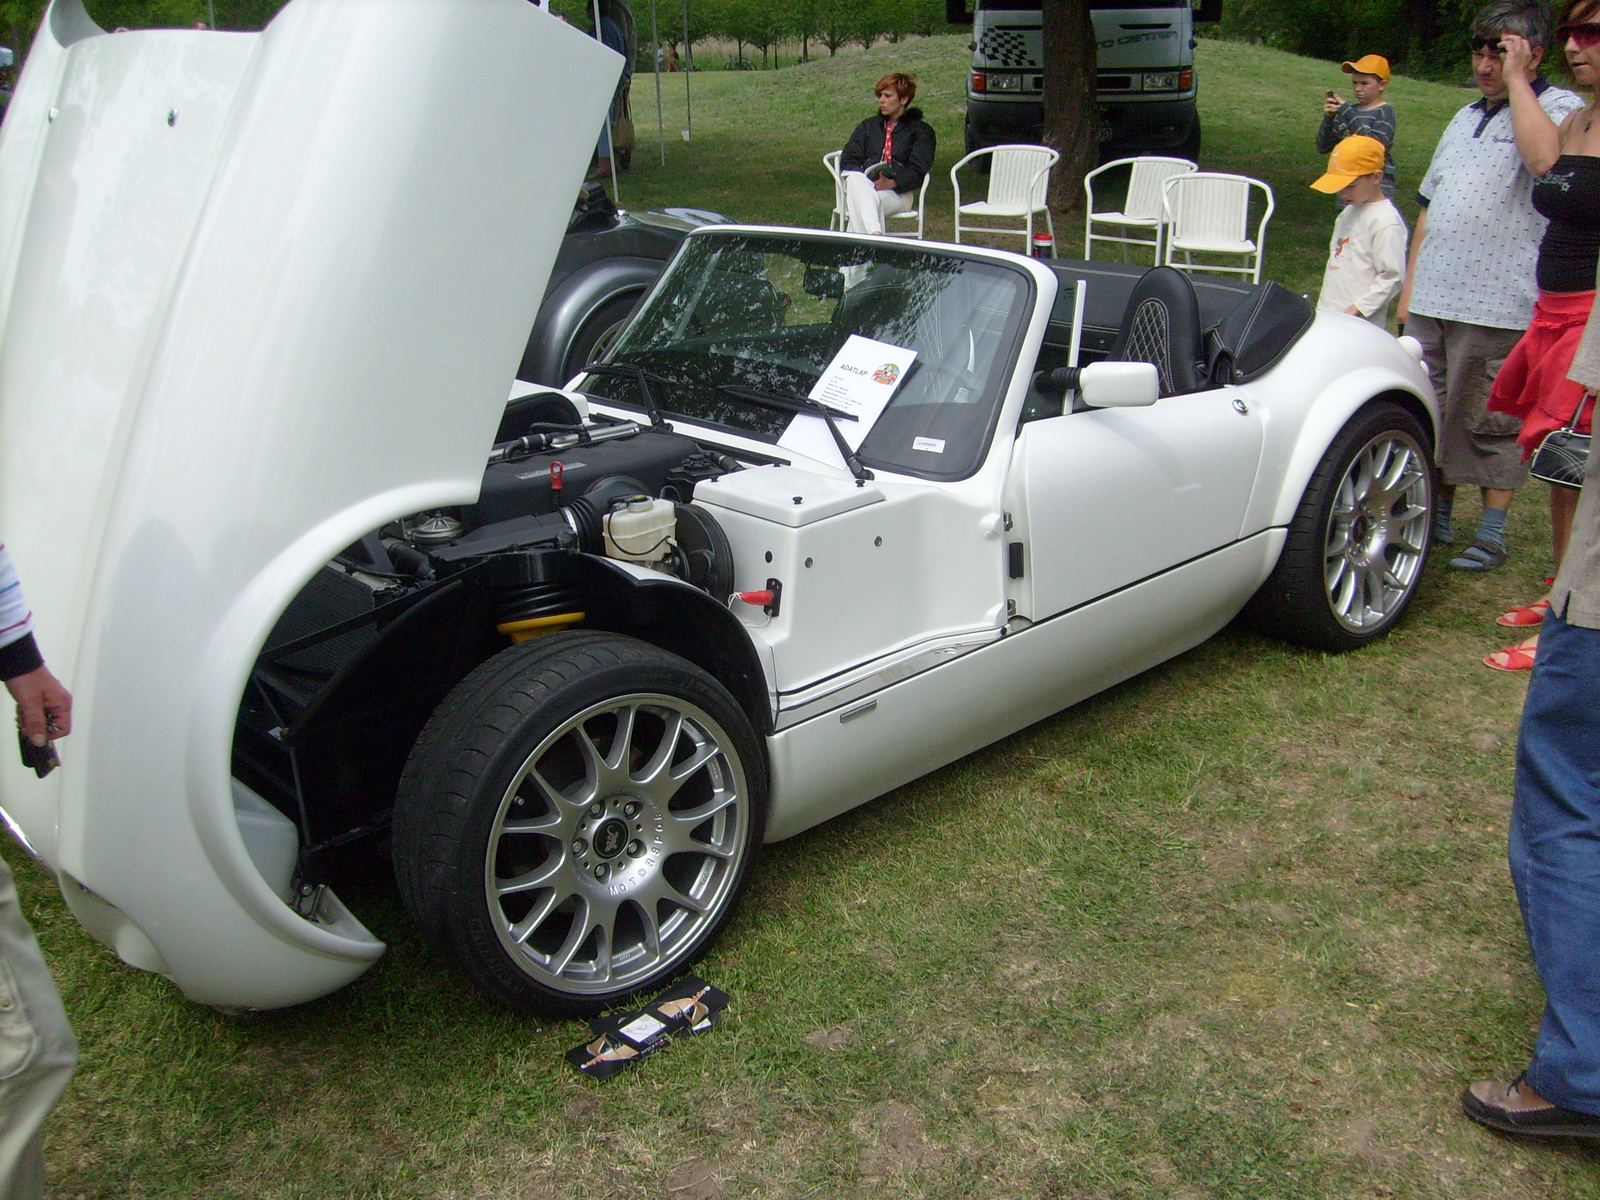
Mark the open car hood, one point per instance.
(259, 294)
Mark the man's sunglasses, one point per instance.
(1585, 35)
(1488, 46)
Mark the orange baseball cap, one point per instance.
(1369, 64)
(1352, 158)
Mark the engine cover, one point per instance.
(522, 488)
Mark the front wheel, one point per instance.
(1355, 550)
(578, 820)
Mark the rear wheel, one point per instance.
(578, 820)
(597, 333)
(1356, 548)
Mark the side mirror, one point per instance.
(1119, 385)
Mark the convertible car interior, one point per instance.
(1197, 332)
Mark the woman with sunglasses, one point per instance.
(1533, 384)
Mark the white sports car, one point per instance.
(834, 512)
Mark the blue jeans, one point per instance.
(1555, 859)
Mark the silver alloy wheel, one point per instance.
(1377, 531)
(617, 843)
(607, 339)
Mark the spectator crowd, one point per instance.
(1498, 287)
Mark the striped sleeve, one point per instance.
(19, 654)
(1378, 123)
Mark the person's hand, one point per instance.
(1331, 104)
(1353, 311)
(883, 183)
(44, 707)
(1518, 56)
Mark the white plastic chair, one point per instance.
(1209, 213)
(1019, 178)
(839, 218)
(1141, 210)
(912, 214)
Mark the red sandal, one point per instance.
(1512, 658)
(1518, 618)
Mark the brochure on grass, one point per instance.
(859, 382)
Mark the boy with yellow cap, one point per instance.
(1371, 115)
(1367, 257)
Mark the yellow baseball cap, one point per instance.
(1369, 64)
(1352, 158)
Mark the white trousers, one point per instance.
(868, 207)
(37, 1049)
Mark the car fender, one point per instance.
(677, 617)
(573, 301)
(198, 415)
(1276, 500)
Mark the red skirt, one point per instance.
(1533, 385)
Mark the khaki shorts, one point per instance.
(37, 1049)
(1476, 447)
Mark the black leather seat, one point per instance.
(1162, 326)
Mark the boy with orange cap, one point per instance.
(1367, 257)
(1371, 115)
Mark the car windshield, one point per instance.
(768, 313)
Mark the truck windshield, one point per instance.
(769, 313)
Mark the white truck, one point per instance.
(1145, 81)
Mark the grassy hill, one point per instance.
(759, 137)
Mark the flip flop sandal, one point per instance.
(1512, 658)
(1518, 618)
(1480, 556)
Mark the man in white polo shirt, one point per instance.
(1469, 287)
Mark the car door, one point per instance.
(1104, 498)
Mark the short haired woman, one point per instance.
(887, 157)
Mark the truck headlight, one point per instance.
(1161, 81)
(1004, 83)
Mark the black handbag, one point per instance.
(1563, 454)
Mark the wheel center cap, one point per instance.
(610, 838)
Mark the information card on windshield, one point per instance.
(859, 383)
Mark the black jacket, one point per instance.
(912, 153)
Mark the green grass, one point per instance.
(1240, 927)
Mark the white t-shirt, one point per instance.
(1366, 260)
(1476, 261)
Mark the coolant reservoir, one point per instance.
(641, 530)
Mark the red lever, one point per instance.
(763, 598)
(557, 476)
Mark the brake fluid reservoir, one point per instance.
(641, 530)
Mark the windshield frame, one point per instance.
(1007, 355)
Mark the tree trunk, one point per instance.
(1071, 114)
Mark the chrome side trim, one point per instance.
(805, 703)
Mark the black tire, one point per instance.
(1358, 543)
(619, 879)
(598, 330)
(1190, 148)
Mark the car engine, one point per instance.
(373, 642)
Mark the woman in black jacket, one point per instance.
(887, 157)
